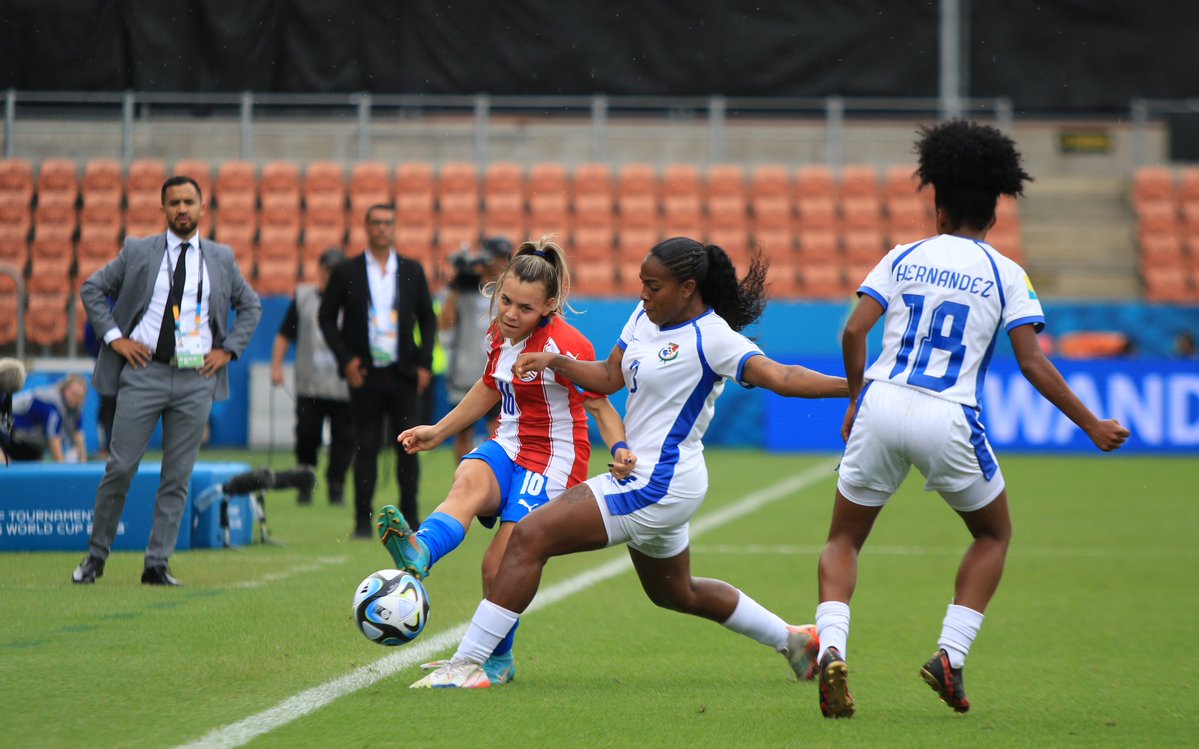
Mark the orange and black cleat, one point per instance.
(946, 681)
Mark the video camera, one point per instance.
(467, 266)
(255, 483)
(12, 379)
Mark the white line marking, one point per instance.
(299, 569)
(310, 700)
(937, 551)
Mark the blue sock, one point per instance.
(441, 534)
(505, 645)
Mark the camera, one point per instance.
(466, 266)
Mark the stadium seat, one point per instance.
(146, 177)
(734, 241)
(549, 213)
(456, 178)
(776, 244)
(86, 266)
(241, 239)
(14, 246)
(458, 209)
(325, 178)
(1092, 344)
(772, 211)
(908, 219)
(1157, 216)
(822, 281)
(234, 178)
(58, 214)
(727, 211)
(374, 177)
(594, 210)
(900, 181)
(637, 210)
(16, 179)
(814, 180)
(634, 243)
(682, 216)
(58, 176)
(547, 177)
(1190, 217)
(103, 177)
(283, 240)
(1187, 190)
(864, 245)
(280, 181)
(1165, 284)
(317, 239)
(818, 212)
(594, 244)
(97, 244)
(726, 180)
(8, 312)
(144, 216)
(591, 179)
(782, 279)
(859, 181)
(201, 172)
(46, 318)
(1153, 184)
(325, 210)
(1190, 246)
(1007, 214)
(504, 216)
(502, 177)
(15, 212)
(416, 242)
(52, 247)
(818, 246)
(97, 219)
(861, 212)
(410, 177)
(235, 211)
(276, 277)
(452, 238)
(636, 179)
(770, 180)
(681, 180)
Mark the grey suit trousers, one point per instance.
(183, 398)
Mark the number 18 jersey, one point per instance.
(946, 299)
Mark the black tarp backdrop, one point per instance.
(1049, 56)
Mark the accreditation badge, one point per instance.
(189, 352)
(384, 337)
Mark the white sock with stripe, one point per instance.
(753, 620)
(490, 624)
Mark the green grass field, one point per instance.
(1090, 641)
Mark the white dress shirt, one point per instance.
(146, 331)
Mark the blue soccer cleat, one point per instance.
(407, 551)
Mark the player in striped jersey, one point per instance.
(541, 447)
(678, 349)
(943, 301)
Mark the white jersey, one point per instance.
(674, 376)
(946, 298)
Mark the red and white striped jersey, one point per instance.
(543, 426)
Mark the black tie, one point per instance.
(166, 333)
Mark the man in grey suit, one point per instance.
(165, 351)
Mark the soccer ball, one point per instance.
(391, 607)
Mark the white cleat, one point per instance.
(455, 674)
(803, 646)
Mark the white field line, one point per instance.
(311, 700)
(1014, 552)
(299, 569)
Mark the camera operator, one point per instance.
(464, 320)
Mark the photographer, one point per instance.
(45, 417)
(464, 319)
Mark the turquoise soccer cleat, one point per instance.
(407, 551)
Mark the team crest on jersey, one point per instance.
(529, 376)
(668, 353)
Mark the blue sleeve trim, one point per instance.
(1037, 321)
(873, 295)
(741, 368)
(620, 342)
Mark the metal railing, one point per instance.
(483, 114)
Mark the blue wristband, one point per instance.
(619, 445)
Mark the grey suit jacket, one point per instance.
(130, 279)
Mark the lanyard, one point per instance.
(199, 284)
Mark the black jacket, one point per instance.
(348, 295)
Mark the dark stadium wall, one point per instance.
(1051, 56)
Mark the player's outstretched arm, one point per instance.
(612, 430)
(792, 380)
(597, 376)
(1107, 434)
(477, 402)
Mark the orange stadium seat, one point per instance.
(726, 180)
(770, 180)
(865, 245)
(14, 246)
(144, 216)
(146, 177)
(1092, 344)
(327, 210)
(818, 246)
(8, 311)
(1190, 247)
(416, 242)
(549, 213)
(14, 212)
(317, 239)
(86, 266)
(59, 214)
(97, 246)
(814, 180)
(734, 241)
(452, 238)
(681, 179)
(908, 219)
(633, 244)
(273, 245)
(503, 177)
(457, 177)
(280, 181)
(458, 209)
(817, 211)
(58, 176)
(859, 181)
(593, 278)
(591, 179)
(547, 177)
(100, 220)
(594, 244)
(234, 178)
(236, 210)
(201, 172)
(822, 281)
(1165, 284)
(1157, 216)
(46, 318)
(862, 212)
(1190, 217)
(727, 211)
(504, 215)
(410, 177)
(325, 178)
(276, 277)
(241, 239)
(594, 210)
(374, 177)
(772, 212)
(1153, 183)
(682, 215)
(637, 210)
(900, 180)
(16, 179)
(103, 177)
(637, 179)
(280, 234)
(1162, 249)
(1187, 190)
(775, 243)
(782, 279)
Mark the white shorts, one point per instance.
(898, 427)
(658, 530)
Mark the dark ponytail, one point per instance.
(740, 303)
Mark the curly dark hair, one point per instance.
(969, 166)
(739, 302)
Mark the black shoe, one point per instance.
(946, 681)
(336, 495)
(305, 495)
(835, 700)
(88, 570)
(159, 575)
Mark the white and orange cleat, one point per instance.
(455, 674)
(803, 645)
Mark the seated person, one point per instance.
(42, 416)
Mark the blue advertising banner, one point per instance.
(1157, 399)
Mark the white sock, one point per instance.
(958, 631)
(832, 626)
(490, 624)
(753, 620)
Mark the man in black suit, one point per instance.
(368, 315)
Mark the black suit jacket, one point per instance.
(348, 295)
